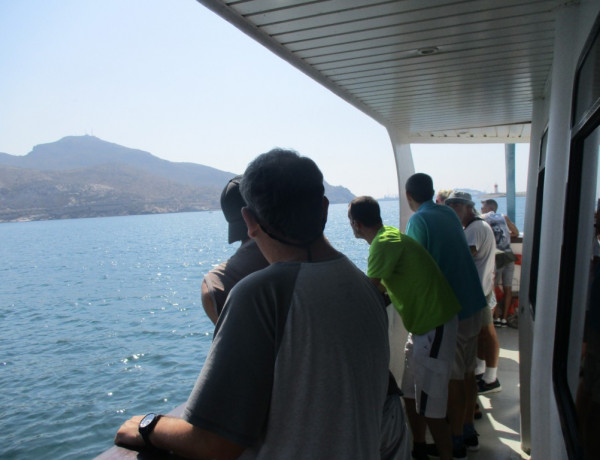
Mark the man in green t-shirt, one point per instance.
(419, 291)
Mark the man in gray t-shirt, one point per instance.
(296, 349)
(299, 362)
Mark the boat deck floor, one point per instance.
(499, 427)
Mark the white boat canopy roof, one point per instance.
(433, 70)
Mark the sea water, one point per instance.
(102, 319)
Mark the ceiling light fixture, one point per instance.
(428, 51)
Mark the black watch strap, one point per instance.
(147, 425)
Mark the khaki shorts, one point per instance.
(466, 345)
(486, 317)
(428, 364)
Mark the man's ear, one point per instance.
(251, 222)
(325, 209)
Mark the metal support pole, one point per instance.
(509, 157)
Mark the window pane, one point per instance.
(588, 389)
(537, 226)
(588, 82)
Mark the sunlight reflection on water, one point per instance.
(103, 320)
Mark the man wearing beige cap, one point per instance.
(482, 245)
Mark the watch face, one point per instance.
(147, 420)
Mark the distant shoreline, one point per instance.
(499, 195)
(484, 196)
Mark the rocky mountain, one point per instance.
(83, 176)
(76, 152)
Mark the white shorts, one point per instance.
(504, 275)
(428, 364)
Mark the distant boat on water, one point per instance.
(487, 196)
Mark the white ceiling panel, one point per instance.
(436, 70)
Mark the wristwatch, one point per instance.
(147, 425)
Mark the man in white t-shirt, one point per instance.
(482, 244)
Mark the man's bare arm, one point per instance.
(514, 231)
(377, 283)
(208, 304)
(180, 437)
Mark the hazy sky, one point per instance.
(172, 78)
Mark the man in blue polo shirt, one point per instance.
(439, 230)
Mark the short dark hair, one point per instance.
(365, 209)
(420, 187)
(491, 203)
(285, 193)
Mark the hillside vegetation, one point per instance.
(83, 176)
